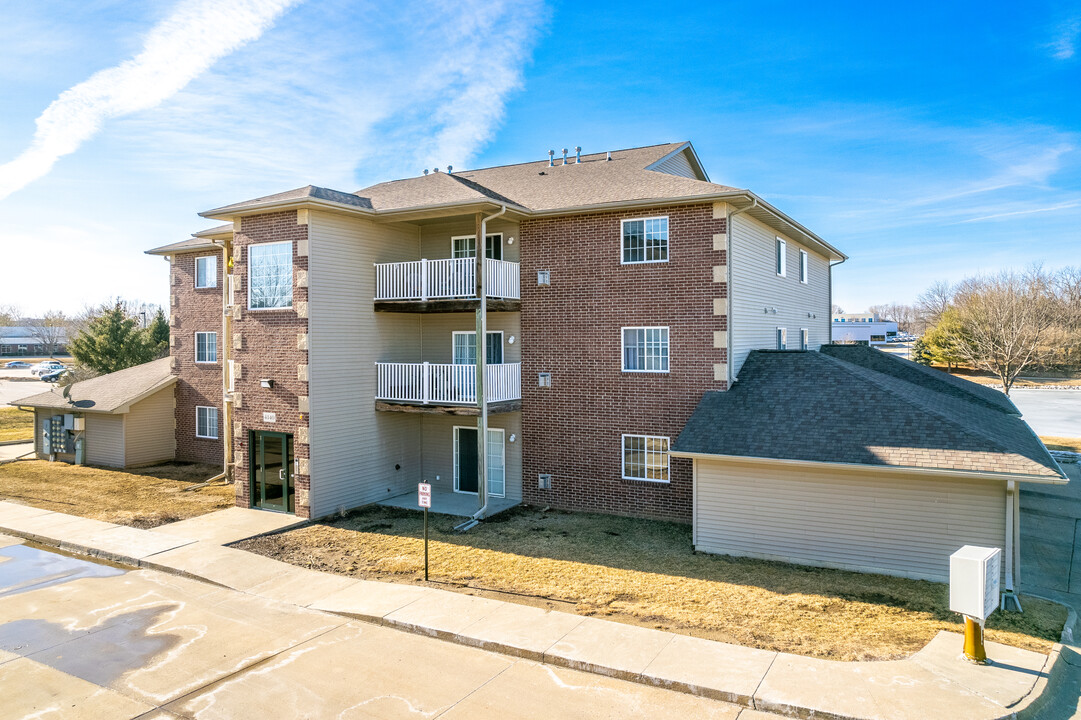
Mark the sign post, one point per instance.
(424, 500)
(974, 592)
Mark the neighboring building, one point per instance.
(619, 290)
(19, 341)
(862, 329)
(856, 459)
(123, 419)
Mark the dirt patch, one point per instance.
(16, 424)
(143, 498)
(645, 573)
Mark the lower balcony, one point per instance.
(448, 285)
(443, 389)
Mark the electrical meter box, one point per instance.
(974, 581)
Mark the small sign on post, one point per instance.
(424, 500)
(974, 592)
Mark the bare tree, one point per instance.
(1005, 322)
(932, 302)
(904, 315)
(9, 315)
(837, 309)
(51, 330)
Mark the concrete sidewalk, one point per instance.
(934, 682)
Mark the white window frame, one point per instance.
(454, 457)
(643, 261)
(782, 338)
(474, 239)
(780, 261)
(645, 464)
(216, 417)
(292, 276)
(206, 362)
(804, 266)
(623, 348)
(454, 343)
(212, 276)
(804, 339)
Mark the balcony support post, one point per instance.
(482, 357)
(424, 280)
(426, 383)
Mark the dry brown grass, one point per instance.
(144, 498)
(644, 572)
(16, 424)
(1061, 443)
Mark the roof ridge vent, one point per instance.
(608, 158)
(577, 154)
(551, 158)
(564, 156)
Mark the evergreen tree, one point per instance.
(112, 342)
(158, 335)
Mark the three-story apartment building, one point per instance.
(326, 343)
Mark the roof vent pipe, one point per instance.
(450, 168)
(564, 156)
(609, 158)
(577, 154)
(435, 170)
(425, 171)
(551, 158)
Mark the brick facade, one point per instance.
(268, 348)
(195, 310)
(571, 328)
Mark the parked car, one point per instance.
(54, 375)
(46, 366)
(17, 365)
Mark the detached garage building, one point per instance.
(851, 458)
(122, 419)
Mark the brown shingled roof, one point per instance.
(107, 393)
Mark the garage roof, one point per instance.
(112, 393)
(816, 407)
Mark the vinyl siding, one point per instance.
(756, 286)
(439, 449)
(354, 449)
(149, 429)
(435, 241)
(438, 332)
(105, 440)
(862, 519)
(678, 164)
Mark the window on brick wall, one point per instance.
(645, 240)
(270, 276)
(645, 457)
(206, 422)
(206, 272)
(206, 347)
(645, 349)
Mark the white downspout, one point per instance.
(1012, 514)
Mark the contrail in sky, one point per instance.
(193, 37)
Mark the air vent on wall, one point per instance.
(544, 481)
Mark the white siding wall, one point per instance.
(439, 448)
(354, 449)
(149, 429)
(883, 522)
(756, 286)
(104, 440)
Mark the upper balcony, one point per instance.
(448, 285)
(446, 389)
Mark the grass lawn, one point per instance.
(16, 424)
(143, 498)
(644, 572)
(1061, 443)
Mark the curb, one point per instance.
(17, 442)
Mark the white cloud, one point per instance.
(178, 49)
(1064, 45)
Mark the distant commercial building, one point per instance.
(862, 329)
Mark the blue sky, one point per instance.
(927, 141)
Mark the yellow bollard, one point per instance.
(974, 649)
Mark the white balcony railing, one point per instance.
(440, 384)
(442, 279)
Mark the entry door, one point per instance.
(465, 461)
(272, 471)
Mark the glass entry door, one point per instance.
(465, 461)
(271, 470)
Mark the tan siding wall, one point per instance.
(755, 286)
(438, 331)
(149, 434)
(439, 449)
(678, 165)
(353, 448)
(105, 440)
(883, 522)
(435, 239)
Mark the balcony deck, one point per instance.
(443, 389)
(448, 285)
(450, 503)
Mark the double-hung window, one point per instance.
(465, 246)
(803, 340)
(270, 276)
(206, 422)
(206, 347)
(645, 240)
(782, 249)
(206, 271)
(803, 263)
(645, 349)
(782, 338)
(645, 457)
